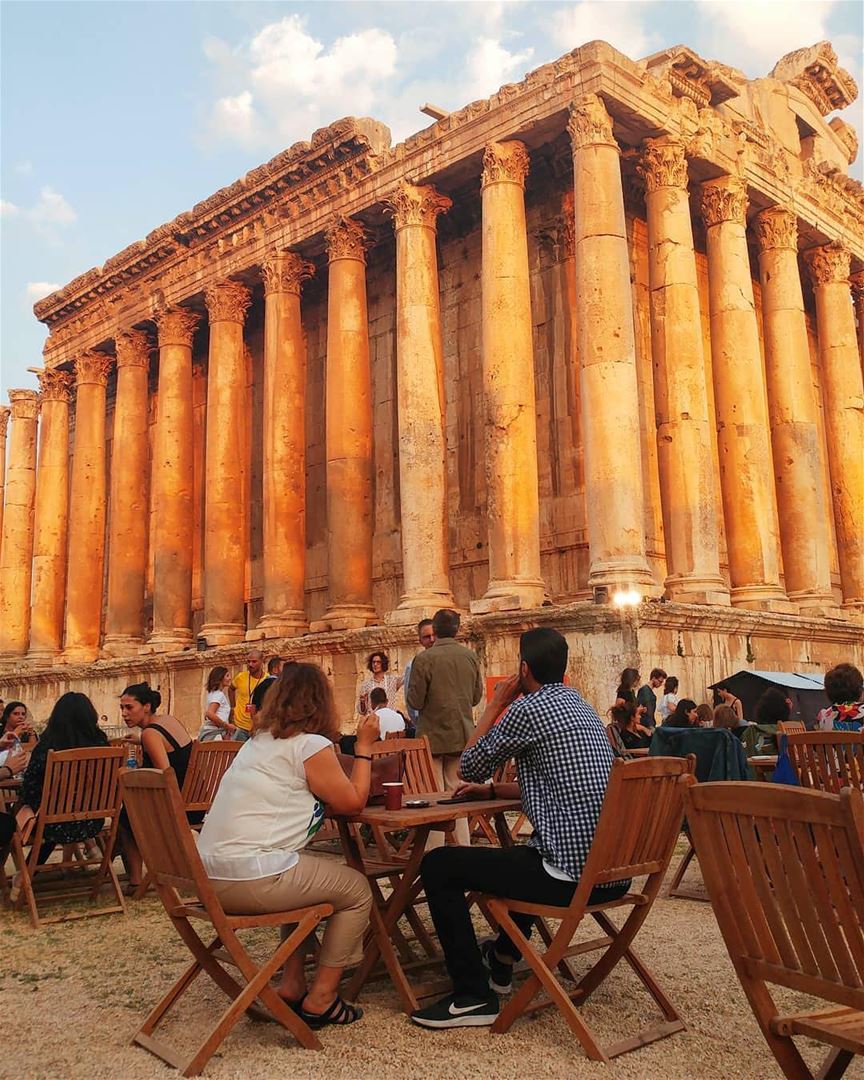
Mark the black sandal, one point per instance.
(340, 1014)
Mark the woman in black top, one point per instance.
(166, 744)
(73, 724)
(626, 692)
(627, 718)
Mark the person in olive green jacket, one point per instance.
(445, 685)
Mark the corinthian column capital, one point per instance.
(663, 164)
(776, 227)
(285, 272)
(346, 239)
(54, 384)
(828, 264)
(132, 349)
(24, 404)
(416, 205)
(92, 367)
(590, 124)
(5, 413)
(227, 301)
(856, 280)
(724, 199)
(176, 326)
(505, 162)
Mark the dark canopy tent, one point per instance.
(807, 692)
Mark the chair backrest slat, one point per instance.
(784, 868)
(81, 784)
(418, 770)
(208, 763)
(790, 727)
(828, 760)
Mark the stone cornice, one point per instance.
(776, 227)
(285, 271)
(55, 385)
(176, 326)
(92, 368)
(828, 264)
(227, 301)
(132, 349)
(505, 163)
(416, 204)
(816, 73)
(723, 200)
(663, 164)
(24, 404)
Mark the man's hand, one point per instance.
(471, 791)
(368, 732)
(506, 692)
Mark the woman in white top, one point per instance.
(217, 709)
(669, 700)
(379, 665)
(269, 805)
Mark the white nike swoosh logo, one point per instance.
(456, 1010)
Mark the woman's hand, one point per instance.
(368, 733)
(472, 791)
(17, 762)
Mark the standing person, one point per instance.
(426, 637)
(217, 707)
(445, 686)
(390, 722)
(726, 697)
(844, 687)
(379, 666)
(563, 760)
(669, 700)
(274, 670)
(626, 692)
(269, 805)
(647, 696)
(243, 687)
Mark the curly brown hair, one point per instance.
(300, 701)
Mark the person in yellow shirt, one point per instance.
(244, 686)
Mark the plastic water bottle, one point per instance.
(131, 759)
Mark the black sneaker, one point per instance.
(500, 974)
(453, 1011)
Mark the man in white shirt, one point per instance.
(390, 722)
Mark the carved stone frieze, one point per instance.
(92, 367)
(346, 239)
(722, 200)
(692, 78)
(505, 162)
(132, 349)
(776, 227)
(590, 124)
(416, 204)
(285, 271)
(55, 384)
(24, 404)
(227, 301)
(176, 326)
(5, 413)
(816, 73)
(663, 164)
(828, 264)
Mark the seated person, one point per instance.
(16, 726)
(563, 761)
(773, 707)
(726, 717)
(627, 718)
(269, 805)
(390, 722)
(722, 696)
(684, 715)
(844, 688)
(73, 724)
(705, 715)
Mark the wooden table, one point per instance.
(404, 873)
(763, 764)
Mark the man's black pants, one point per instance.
(517, 873)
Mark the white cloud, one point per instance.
(38, 290)
(622, 25)
(51, 210)
(489, 65)
(8, 209)
(235, 118)
(753, 36)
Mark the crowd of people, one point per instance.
(271, 801)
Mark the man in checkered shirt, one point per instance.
(563, 760)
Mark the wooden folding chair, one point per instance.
(208, 763)
(635, 837)
(80, 785)
(790, 727)
(158, 818)
(828, 760)
(785, 871)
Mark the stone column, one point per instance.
(843, 392)
(349, 433)
(857, 282)
(171, 485)
(284, 605)
(607, 357)
(224, 533)
(749, 504)
(512, 490)
(52, 518)
(16, 549)
(87, 509)
(5, 413)
(128, 518)
(420, 394)
(680, 389)
(802, 501)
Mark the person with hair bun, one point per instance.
(166, 744)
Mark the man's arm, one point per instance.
(477, 694)
(494, 743)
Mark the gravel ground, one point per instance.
(74, 993)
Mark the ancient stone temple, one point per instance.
(588, 341)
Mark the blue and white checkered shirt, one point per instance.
(563, 760)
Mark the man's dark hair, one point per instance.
(272, 664)
(377, 696)
(424, 622)
(545, 651)
(843, 684)
(657, 673)
(445, 623)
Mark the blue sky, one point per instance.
(117, 116)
